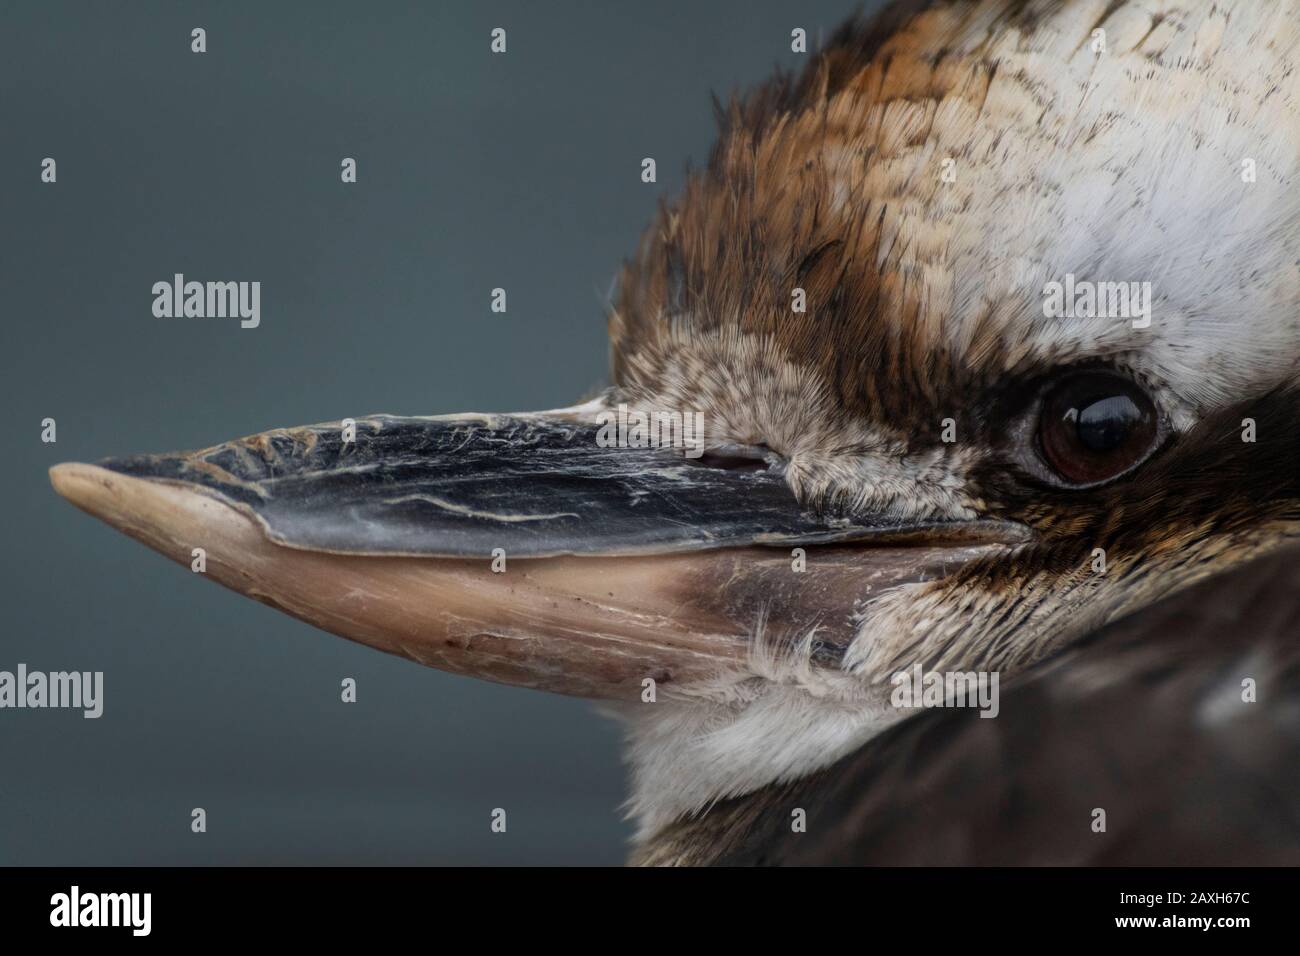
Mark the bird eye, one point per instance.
(1095, 426)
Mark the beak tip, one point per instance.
(125, 502)
(81, 484)
(165, 516)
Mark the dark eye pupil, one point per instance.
(1094, 426)
(1104, 425)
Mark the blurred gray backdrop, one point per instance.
(474, 171)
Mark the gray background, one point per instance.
(475, 171)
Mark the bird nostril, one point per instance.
(730, 463)
(739, 458)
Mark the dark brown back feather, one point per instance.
(1145, 720)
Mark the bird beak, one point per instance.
(523, 549)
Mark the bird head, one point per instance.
(967, 341)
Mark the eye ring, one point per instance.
(1093, 427)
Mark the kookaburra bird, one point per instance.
(937, 439)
